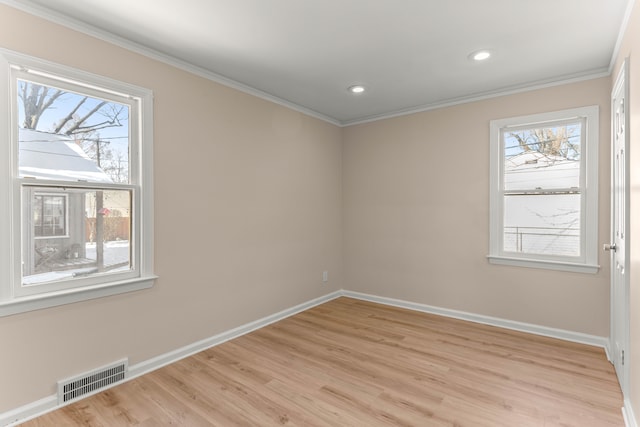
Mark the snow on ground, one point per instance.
(115, 252)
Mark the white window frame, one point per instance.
(587, 262)
(14, 297)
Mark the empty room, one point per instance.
(306, 213)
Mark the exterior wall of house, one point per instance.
(630, 48)
(247, 217)
(416, 214)
(40, 252)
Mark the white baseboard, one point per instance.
(487, 320)
(29, 411)
(628, 415)
(191, 349)
(50, 403)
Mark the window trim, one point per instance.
(10, 186)
(588, 261)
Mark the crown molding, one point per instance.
(623, 30)
(543, 84)
(74, 24)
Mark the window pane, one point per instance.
(70, 136)
(49, 215)
(97, 238)
(542, 157)
(545, 224)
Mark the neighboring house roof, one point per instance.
(39, 149)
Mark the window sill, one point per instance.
(53, 299)
(548, 265)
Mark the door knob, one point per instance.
(610, 247)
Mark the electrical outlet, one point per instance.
(325, 276)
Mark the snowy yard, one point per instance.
(116, 252)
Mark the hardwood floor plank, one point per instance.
(355, 363)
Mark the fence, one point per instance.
(115, 228)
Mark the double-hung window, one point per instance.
(75, 185)
(544, 190)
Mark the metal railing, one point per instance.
(542, 240)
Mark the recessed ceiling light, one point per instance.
(356, 89)
(480, 55)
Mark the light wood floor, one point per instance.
(354, 363)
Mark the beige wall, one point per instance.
(631, 48)
(416, 215)
(247, 211)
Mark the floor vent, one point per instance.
(89, 382)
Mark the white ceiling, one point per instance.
(410, 54)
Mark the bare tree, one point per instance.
(550, 141)
(36, 99)
(113, 162)
(80, 117)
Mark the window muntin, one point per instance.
(544, 190)
(127, 172)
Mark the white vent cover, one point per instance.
(74, 388)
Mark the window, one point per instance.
(49, 215)
(544, 183)
(76, 176)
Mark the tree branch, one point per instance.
(521, 142)
(76, 125)
(69, 116)
(96, 127)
